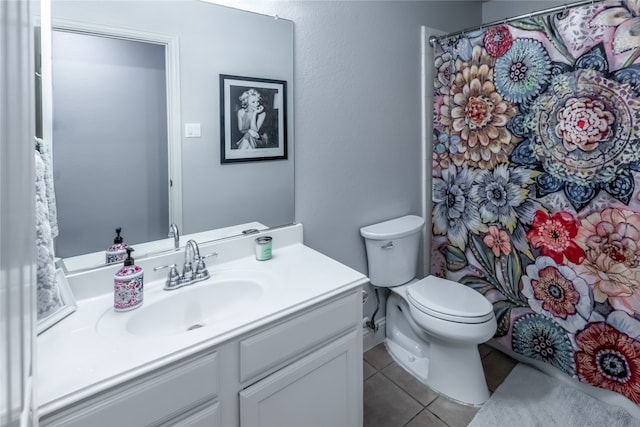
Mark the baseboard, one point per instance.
(371, 338)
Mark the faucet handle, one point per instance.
(173, 280)
(201, 269)
(208, 255)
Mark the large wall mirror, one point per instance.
(146, 153)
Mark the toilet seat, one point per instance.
(448, 300)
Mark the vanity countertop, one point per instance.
(76, 361)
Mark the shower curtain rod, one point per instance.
(434, 39)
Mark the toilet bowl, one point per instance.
(433, 325)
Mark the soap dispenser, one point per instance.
(118, 251)
(128, 285)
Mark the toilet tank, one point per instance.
(392, 250)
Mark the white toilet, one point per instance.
(433, 325)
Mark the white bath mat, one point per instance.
(528, 397)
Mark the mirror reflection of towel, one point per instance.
(48, 294)
(46, 154)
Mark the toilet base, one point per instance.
(418, 367)
(452, 369)
(457, 372)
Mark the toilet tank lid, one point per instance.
(393, 228)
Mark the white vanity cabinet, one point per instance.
(301, 369)
(319, 390)
(158, 398)
(323, 386)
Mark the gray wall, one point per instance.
(357, 78)
(110, 166)
(213, 40)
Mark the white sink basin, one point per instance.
(189, 308)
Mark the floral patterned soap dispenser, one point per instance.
(128, 285)
(118, 251)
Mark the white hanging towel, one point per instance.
(46, 154)
(48, 294)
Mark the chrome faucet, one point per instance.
(189, 274)
(173, 232)
(191, 254)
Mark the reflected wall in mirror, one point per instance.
(110, 151)
(206, 40)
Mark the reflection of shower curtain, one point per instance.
(536, 185)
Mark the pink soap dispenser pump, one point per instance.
(128, 285)
(118, 251)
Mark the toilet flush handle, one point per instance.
(388, 245)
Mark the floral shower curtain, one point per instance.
(536, 185)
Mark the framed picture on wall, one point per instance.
(253, 119)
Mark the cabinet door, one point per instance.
(323, 389)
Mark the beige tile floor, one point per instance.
(393, 398)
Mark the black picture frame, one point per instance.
(259, 140)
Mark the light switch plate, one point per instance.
(192, 130)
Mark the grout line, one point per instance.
(414, 417)
(406, 392)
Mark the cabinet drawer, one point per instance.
(207, 415)
(278, 344)
(176, 389)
